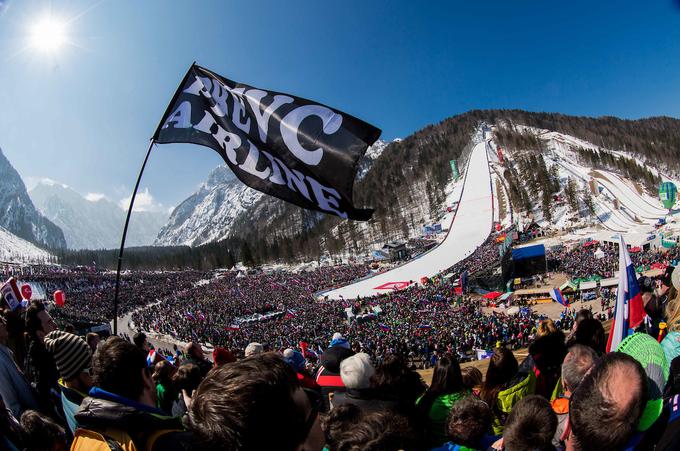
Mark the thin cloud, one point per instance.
(143, 202)
(95, 197)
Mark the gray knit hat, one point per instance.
(71, 353)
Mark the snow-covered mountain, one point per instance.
(94, 224)
(17, 250)
(19, 216)
(210, 213)
(372, 154)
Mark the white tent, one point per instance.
(587, 285)
(599, 253)
(611, 282)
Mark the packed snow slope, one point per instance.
(637, 210)
(468, 229)
(17, 250)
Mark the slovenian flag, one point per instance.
(190, 316)
(233, 327)
(152, 357)
(424, 326)
(629, 312)
(556, 296)
(384, 327)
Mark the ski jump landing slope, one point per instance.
(470, 226)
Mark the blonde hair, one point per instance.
(546, 327)
(673, 313)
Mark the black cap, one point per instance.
(666, 277)
(646, 284)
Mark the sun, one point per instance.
(48, 34)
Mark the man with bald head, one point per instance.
(606, 407)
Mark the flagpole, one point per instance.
(122, 241)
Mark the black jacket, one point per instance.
(364, 399)
(42, 373)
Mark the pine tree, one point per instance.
(546, 204)
(570, 191)
(555, 178)
(588, 201)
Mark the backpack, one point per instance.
(113, 440)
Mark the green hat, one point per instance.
(649, 353)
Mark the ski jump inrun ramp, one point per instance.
(469, 228)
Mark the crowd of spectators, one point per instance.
(586, 260)
(566, 392)
(313, 377)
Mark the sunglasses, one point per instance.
(88, 371)
(315, 401)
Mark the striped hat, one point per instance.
(71, 353)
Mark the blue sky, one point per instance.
(84, 114)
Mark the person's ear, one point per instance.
(148, 381)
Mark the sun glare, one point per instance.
(48, 34)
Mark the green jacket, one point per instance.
(439, 413)
(511, 396)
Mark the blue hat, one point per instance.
(294, 359)
(339, 340)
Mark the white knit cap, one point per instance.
(356, 371)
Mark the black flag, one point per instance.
(291, 148)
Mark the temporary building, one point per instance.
(610, 282)
(568, 287)
(587, 285)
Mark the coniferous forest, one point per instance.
(406, 185)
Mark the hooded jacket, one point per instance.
(104, 412)
(523, 384)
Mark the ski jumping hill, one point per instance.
(620, 204)
(468, 227)
(605, 198)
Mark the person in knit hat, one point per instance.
(254, 348)
(339, 340)
(73, 357)
(297, 361)
(328, 375)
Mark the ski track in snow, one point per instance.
(470, 227)
(637, 210)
